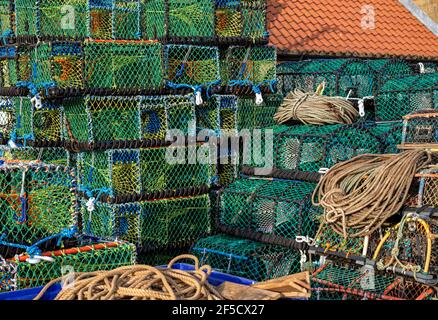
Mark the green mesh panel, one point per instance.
(217, 116)
(252, 116)
(350, 282)
(37, 202)
(54, 156)
(241, 18)
(402, 96)
(51, 18)
(161, 257)
(8, 119)
(245, 258)
(343, 77)
(128, 172)
(151, 224)
(123, 65)
(192, 66)
(248, 66)
(390, 134)
(227, 170)
(309, 148)
(274, 207)
(153, 20)
(181, 115)
(421, 128)
(6, 16)
(80, 255)
(115, 19)
(190, 18)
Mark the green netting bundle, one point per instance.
(38, 204)
(135, 171)
(51, 155)
(188, 66)
(353, 282)
(241, 19)
(309, 148)
(280, 208)
(21, 121)
(217, 116)
(253, 66)
(6, 17)
(390, 134)
(151, 224)
(123, 64)
(253, 116)
(248, 259)
(399, 97)
(112, 118)
(343, 77)
(76, 255)
(45, 65)
(421, 127)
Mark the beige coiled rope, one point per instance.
(140, 282)
(359, 195)
(312, 108)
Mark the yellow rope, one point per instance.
(311, 108)
(140, 282)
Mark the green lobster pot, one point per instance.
(218, 115)
(253, 116)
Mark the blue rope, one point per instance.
(209, 85)
(4, 35)
(23, 217)
(29, 85)
(173, 85)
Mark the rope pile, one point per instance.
(359, 195)
(140, 282)
(315, 109)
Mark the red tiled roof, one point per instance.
(334, 28)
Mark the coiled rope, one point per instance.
(140, 282)
(359, 195)
(315, 109)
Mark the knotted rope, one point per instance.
(140, 282)
(312, 108)
(359, 195)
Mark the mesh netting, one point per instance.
(352, 282)
(402, 96)
(76, 255)
(274, 207)
(192, 67)
(151, 224)
(20, 121)
(410, 245)
(55, 156)
(217, 116)
(136, 171)
(6, 17)
(424, 188)
(227, 170)
(252, 116)
(245, 258)
(309, 148)
(343, 77)
(421, 128)
(101, 119)
(253, 66)
(241, 18)
(38, 205)
(123, 64)
(390, 134)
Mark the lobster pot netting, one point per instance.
(342, 77)
(390, 134)
(353, 282)
(279, 208)
(52, 155)
(421, 128)
(253, 66)
(37, 204)
(248, 259)
(253, 116)
(20, 121)
(103, 119)
(76, 255)
(218, 116)
(6, 16)
(131, 172)
(410, 245)
(241, 19)
(152, 224)
(399, 97)
(123, 65)
(188, 66)
(44, 64)
(305, 148)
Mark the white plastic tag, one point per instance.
(48, 259)
(12, 144)
(33, 260)
(90, 204)
(422, 69)
(198, 98)
(323, 170)
(36, 101)
(361, 108)
(259, 99)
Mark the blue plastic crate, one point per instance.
(216, 279)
